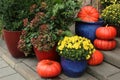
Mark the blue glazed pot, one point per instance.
(87, 29)
(73, 68)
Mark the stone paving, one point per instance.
(8, 73)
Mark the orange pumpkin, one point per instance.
(107, 33)
(96, 59)
(48, 68)
(88, 14)
(104, 44)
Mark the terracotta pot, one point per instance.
(11, 38)
(50, 54)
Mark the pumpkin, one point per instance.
(48, 68)
(105, 44)
(107, 33)
(96, 59)
(88, 14)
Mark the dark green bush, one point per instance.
(13, 12)
(106, 3)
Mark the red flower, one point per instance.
(33, 7)
(25, 22)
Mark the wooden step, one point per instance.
(113, 56)
(103, 71)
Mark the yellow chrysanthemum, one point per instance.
(75, 44)
(61, 47)
(87, 57)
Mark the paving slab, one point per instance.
(26, 71)
(31, 62)
(10, 60)
(3, 64)
(6, 71)
(0, 58)
(13, 77)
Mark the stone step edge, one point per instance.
(19, 66)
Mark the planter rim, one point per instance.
(98, 22)
(72, 60)
(10, 30)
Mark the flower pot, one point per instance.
(11, 38)
(50, 54)
(73, 68)
(87, 29)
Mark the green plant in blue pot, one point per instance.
(74, 52)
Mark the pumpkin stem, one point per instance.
(106, 25)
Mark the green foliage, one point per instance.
(25, 40)
(64, 13)
(1, 27)
(106, 3)
(111, 15)
(13, 12)
(57, 15)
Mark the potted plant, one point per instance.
(45, 44)
(88, 21)
(30, 28)
(74, 51)
(13, 12)
(111, 16)
(51, 22)
(105, 3)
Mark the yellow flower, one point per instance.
(87, 57)
(61, 47)
(59, 42)
(76, 45)
(85, 47)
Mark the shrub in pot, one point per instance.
(48, 20)
(13, 12)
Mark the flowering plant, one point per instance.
(44, 41)
(75, 48)
(111, 15)
(50, 21)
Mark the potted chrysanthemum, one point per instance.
(74, 52)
